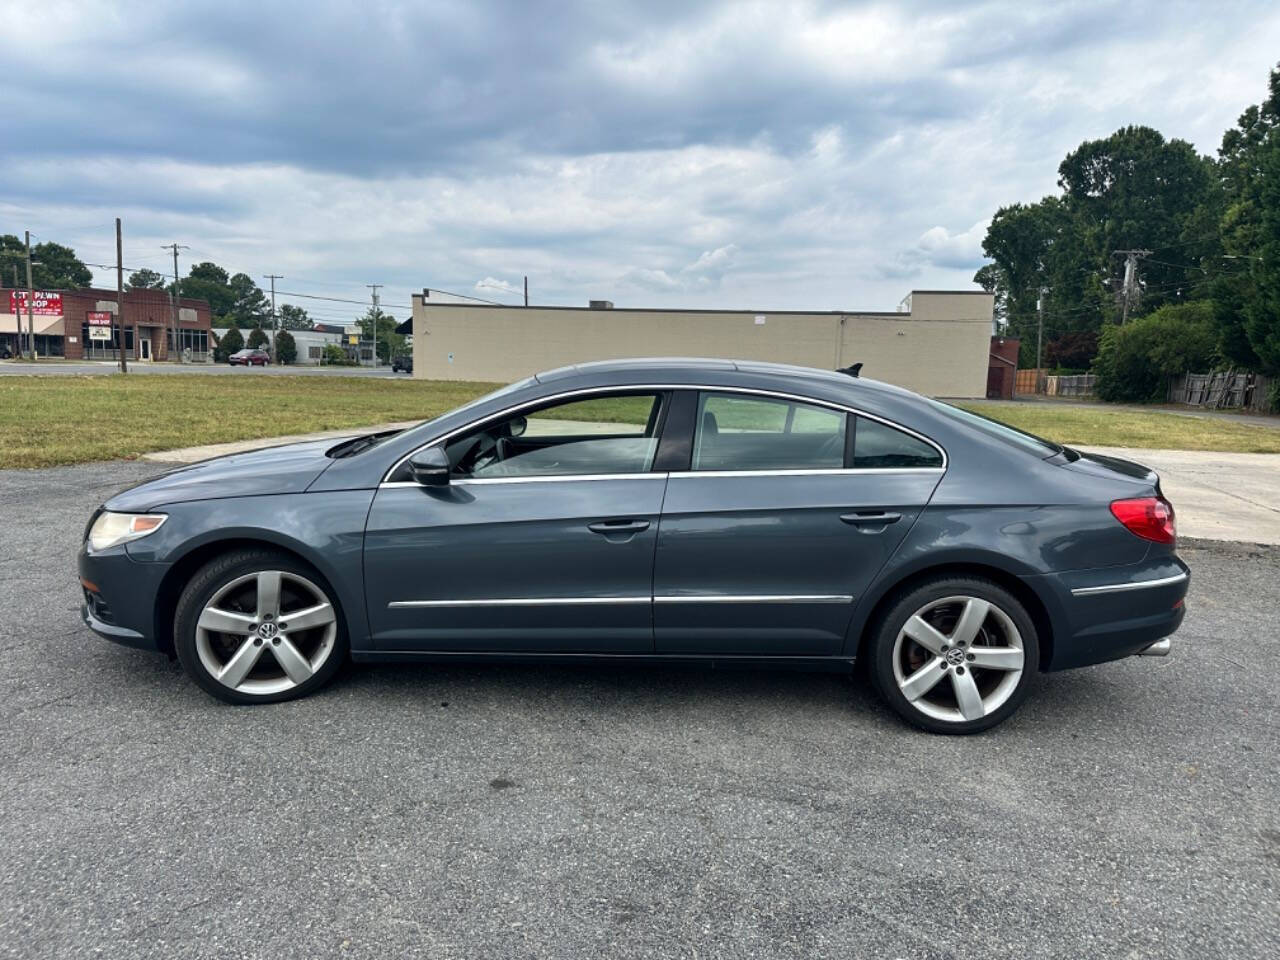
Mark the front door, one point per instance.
(144, 348)
(777, 527)
(541, 542)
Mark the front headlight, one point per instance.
(114, 528)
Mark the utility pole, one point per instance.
(124, 359)
(1039, 338)
(376, 313)
(273, 277)
(31, 299)
(17, 309)
(175, 247)
(1130, 290)
(526, 289)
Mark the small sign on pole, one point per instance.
(99, 324)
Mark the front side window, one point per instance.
(744, 432)
(616, 433)
(878, 446)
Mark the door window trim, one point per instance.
(552, 399)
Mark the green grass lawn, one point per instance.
(1103, 426)
(46, 421)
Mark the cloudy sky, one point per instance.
(757, 155)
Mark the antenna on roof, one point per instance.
(854, 370)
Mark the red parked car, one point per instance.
(249, 358)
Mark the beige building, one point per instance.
(938, 344)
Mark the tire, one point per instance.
(232, 630)
(954, 654)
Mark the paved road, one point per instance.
(97, 368)
(1129, 810)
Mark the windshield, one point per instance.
(1028, 441)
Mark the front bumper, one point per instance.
(119, 596)
(1114, 612)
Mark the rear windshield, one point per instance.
(1028, 441)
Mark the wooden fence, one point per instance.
(1080, 385)
(1230, 389)
(1038, 381)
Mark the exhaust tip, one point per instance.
(1160, 648)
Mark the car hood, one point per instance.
(287, 469)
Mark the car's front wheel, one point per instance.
(954, 654)
(257, 626)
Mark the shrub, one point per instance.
(1135, 362)
(286, 347)
(257, 338)
(334, 354)
(231, 341)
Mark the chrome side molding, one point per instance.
(1134, 585)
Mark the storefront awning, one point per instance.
(45, 325)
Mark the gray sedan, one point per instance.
(701, 511)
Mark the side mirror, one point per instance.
(516, 426)
(430, 467)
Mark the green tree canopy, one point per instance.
(145, 279)
(286, 347)
(54, 267)
(231, 341)
(249, 307)
(293, 318)
(257, 338)
(389, 342)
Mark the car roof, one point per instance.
(690, 369)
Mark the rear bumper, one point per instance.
(1114, 612)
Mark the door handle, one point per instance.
(608, 527)
(870, 518)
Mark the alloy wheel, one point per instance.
(969, 643)
(266, 632)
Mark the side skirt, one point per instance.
(716, 662)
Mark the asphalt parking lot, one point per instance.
(1128, 810)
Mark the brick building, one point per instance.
(84, 324)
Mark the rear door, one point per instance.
(543, 540)
(775, 526)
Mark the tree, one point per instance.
(286, 348)
(1246, 273)
(58, 267)
(249, 307)
(389, 342)
(1135, 362)
(145, 279)
(293, 318)
(257, 338)
(231, 342)
(208, 281)
(1072, 351)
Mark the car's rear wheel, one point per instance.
(256, 626)
(954, 655)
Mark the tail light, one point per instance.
(1150, 518)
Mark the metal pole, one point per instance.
(17, 309)
(124, 359)
(177, 293)
(31, 298)
(273, 277)
(376, 313)
(1039, 340)
(526, 289)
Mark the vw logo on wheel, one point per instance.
(267, 631)
(955, 656)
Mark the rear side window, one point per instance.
(737, 432)
(879, 446)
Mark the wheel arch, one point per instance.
(200, 553)
(870, 610)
